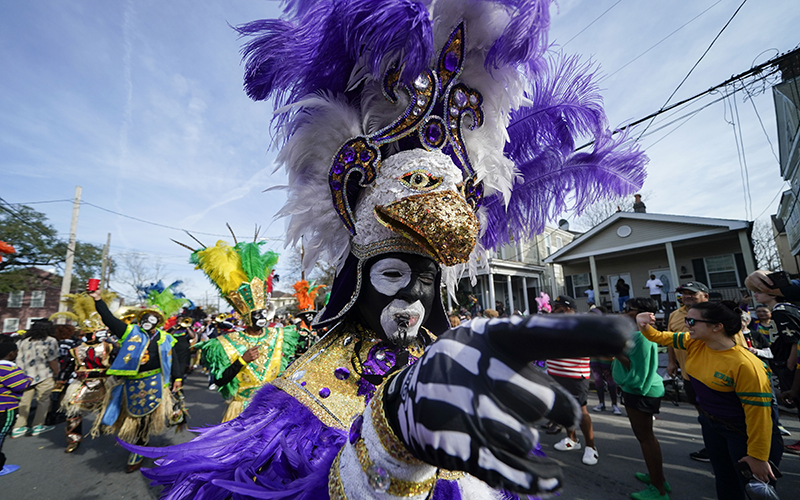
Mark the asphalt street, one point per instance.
(97, 469)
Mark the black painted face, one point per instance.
(258, 318)
(397, 295)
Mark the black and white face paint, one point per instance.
(258, 318)
(401, 321)
(398, 296)
(149, 322)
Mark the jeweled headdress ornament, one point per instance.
(443, 127)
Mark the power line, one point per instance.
(591, 23)
(697, 63)
(783, 186)
(657, 43)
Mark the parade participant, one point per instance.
(13, 383)
(305, 295)
(636, 372)
(734, 395)
(415, 166)
(84, 371)
(241, 362)
(138, 400)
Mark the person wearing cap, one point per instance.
(573, 375)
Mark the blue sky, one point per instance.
(141, 103)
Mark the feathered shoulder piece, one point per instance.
(458, 103)
(243, 273)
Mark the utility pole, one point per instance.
(67, 280)
(302, 259)
(104, 266)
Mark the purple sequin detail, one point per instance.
(450, 61)
(324, 392)
(433, 133)
(338, 168)
(303, 384)
(355, 429)
(336, 185)
(349, 155)
(341, 373)
(375, 366)
(364, 156)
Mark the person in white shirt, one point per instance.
(655, 285)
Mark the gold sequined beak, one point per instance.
(441, 223)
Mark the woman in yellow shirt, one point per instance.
(733, 392)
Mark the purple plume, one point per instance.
(524, 40)
(223, 460)
(553, 178)
(317, 48)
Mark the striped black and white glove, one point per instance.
(471, 401)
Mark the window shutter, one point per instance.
(699, 268)
(740, 269)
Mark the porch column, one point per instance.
(449, 301)
(595, 281)
(526, 309)
(673, 268)
(510, 295)
(492, 298)
(747, 252)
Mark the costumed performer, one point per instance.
(138, 401)
(88, 362)
(427, 168)
(305, 294)
(241, 362)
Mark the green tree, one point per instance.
(37, 245)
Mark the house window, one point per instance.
(580, 283)
(30, 322)
(37, 298)
(721, 271)
(547, 244)
(559, 242)
(10, 324)
(15, 299)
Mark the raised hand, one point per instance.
(470, 403)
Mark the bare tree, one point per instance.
(138, 269)
(322, 274)
(764, 246)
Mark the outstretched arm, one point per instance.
(470, 403)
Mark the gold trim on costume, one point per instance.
(397, 487)
(389, 440)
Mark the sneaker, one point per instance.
(8, 469)
(590, 456)
(599, 408)
(645, 478)
(212, 387)
(700, 456)
(554, 429)
(615, 409)
(649, 493)
(784, 431)
(41, 429)
(19, 432)
(794, 449)
(567, 444)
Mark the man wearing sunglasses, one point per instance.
(692, 293)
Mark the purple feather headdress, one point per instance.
(325, 65)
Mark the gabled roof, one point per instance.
(694, 227)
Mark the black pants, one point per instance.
(7, 419)
(726, 444)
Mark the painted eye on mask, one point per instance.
(421, 180)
